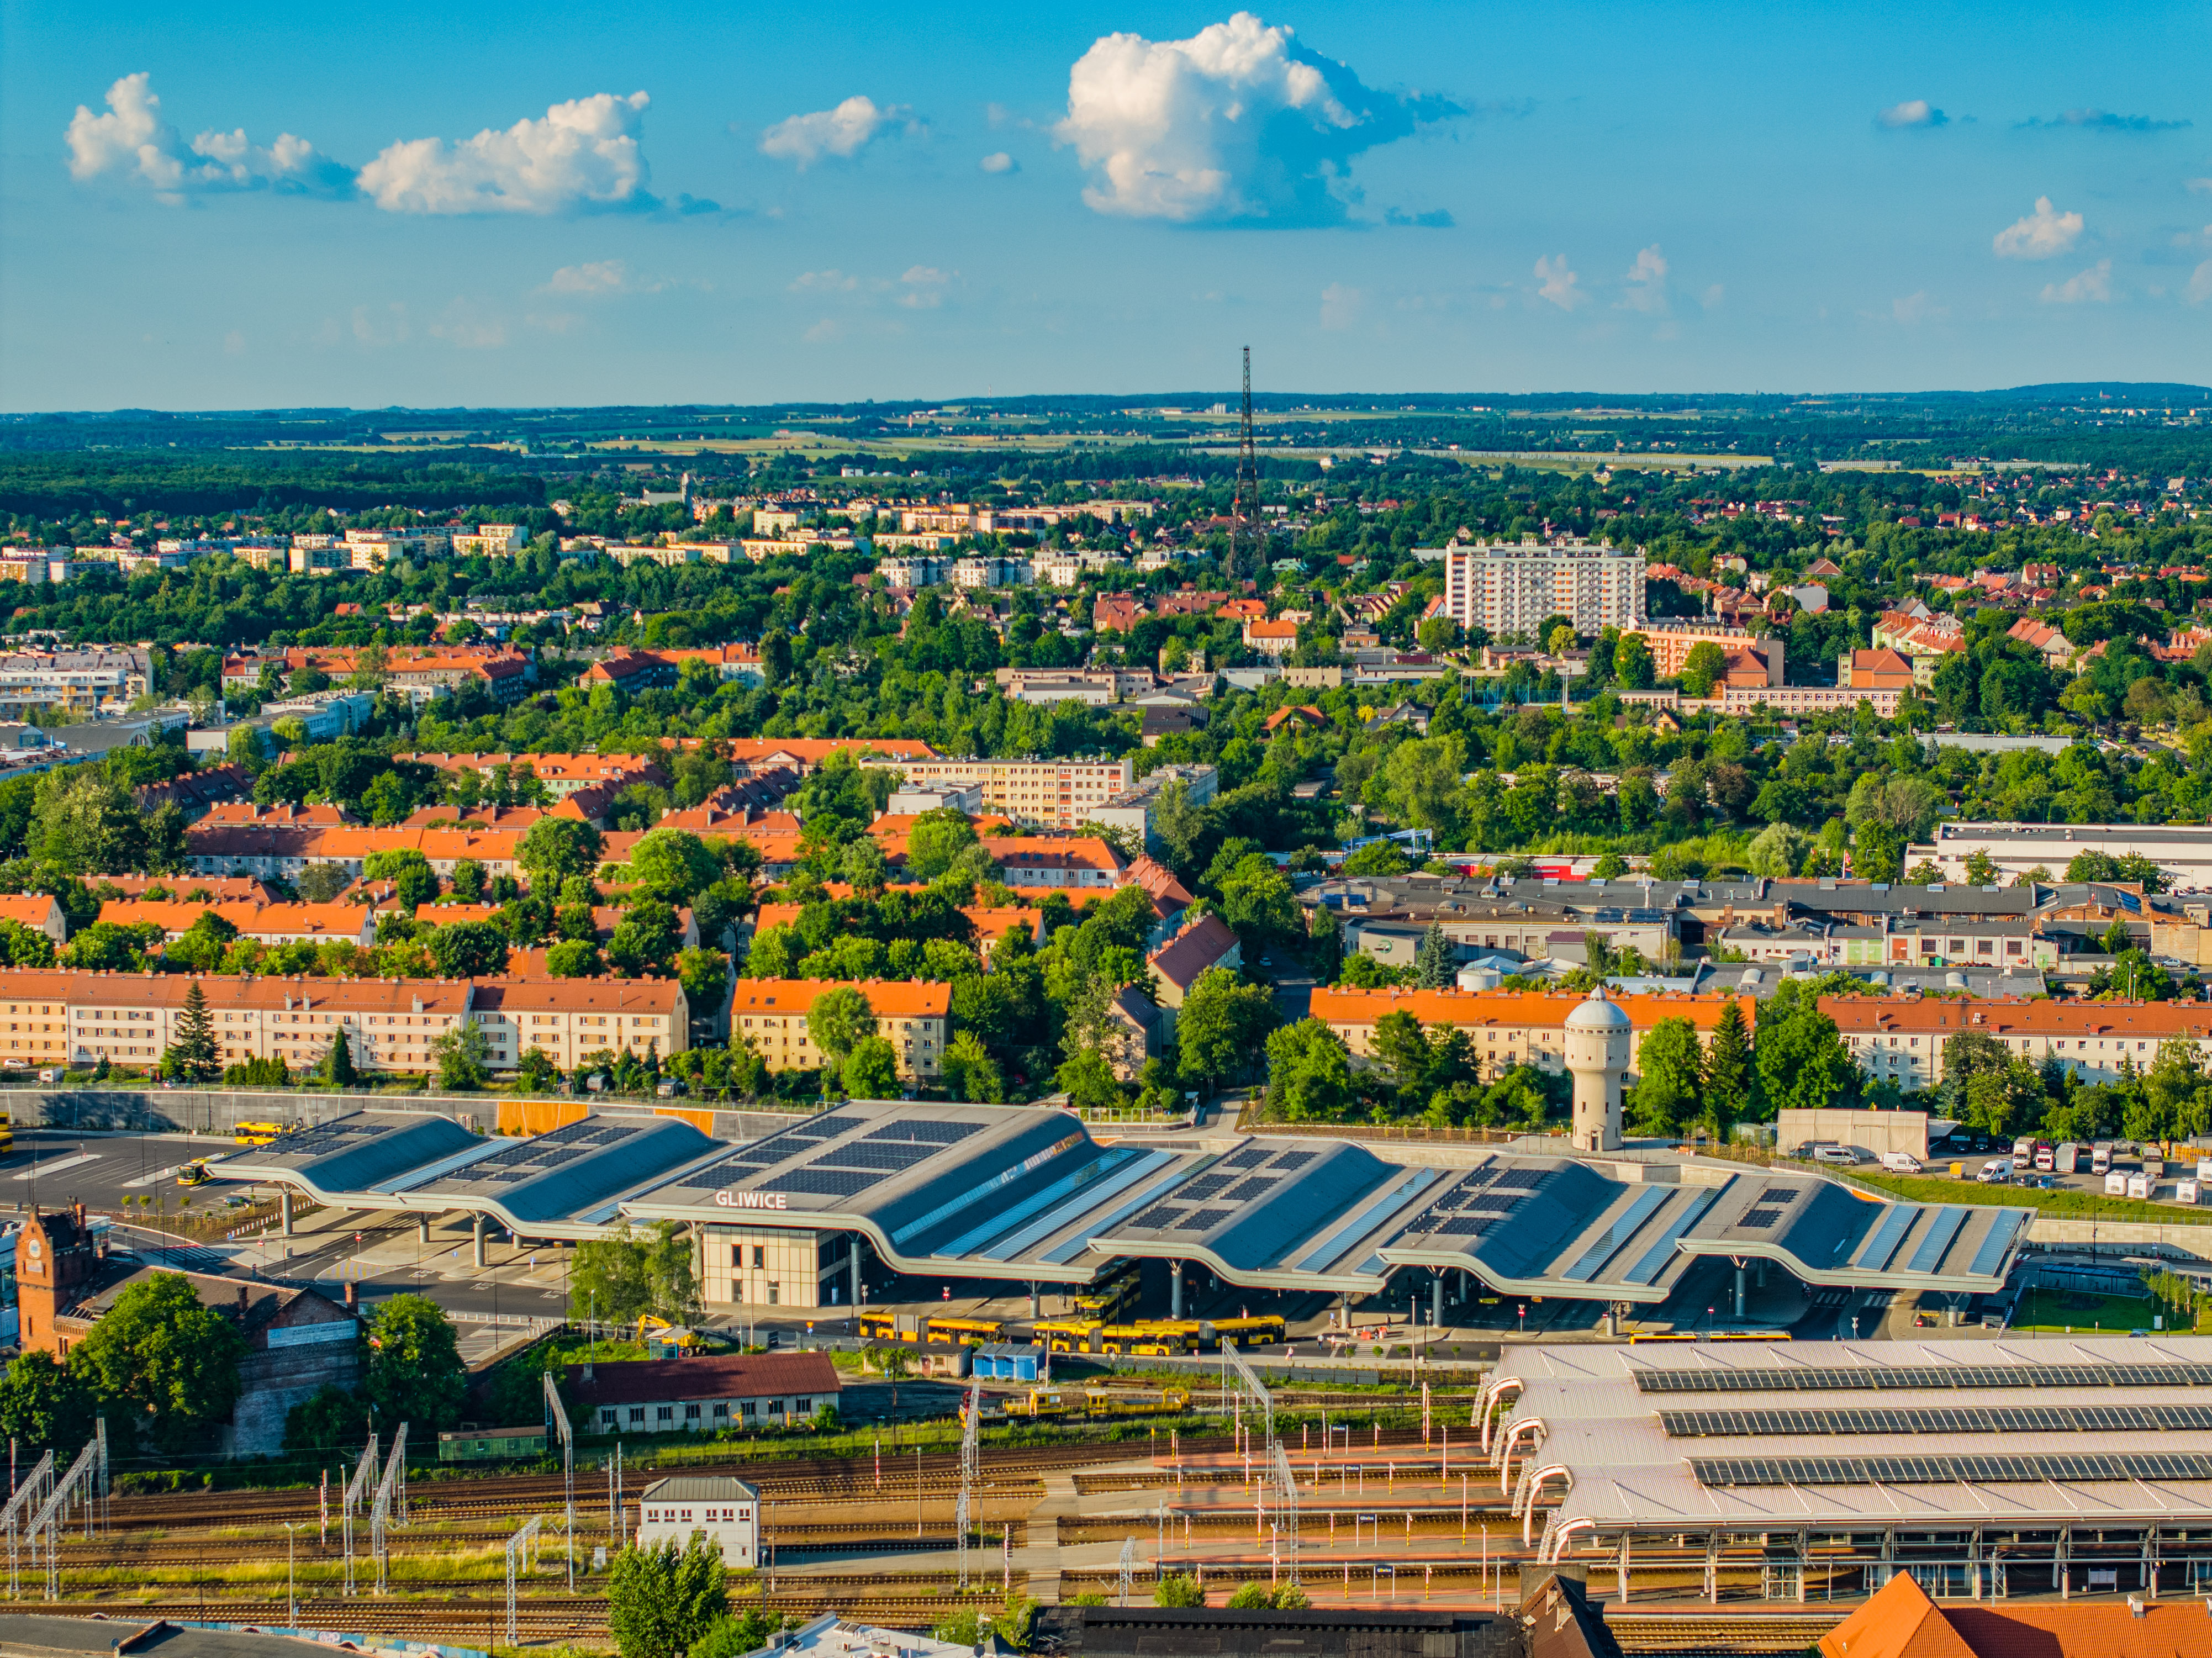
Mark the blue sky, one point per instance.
(927, 201)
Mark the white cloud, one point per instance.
(2043, 234)
(925, 287)
(1646, 282)
(385, 328)
(583, 154)
(1912, 113)
(2200, 283)
(831, 280)
(2094, 286)
(1557, 283)
(1712, 296)
(1916, 307)
(1339, 306)
(998, 161)
(1235, 123)
(823, 332)
(2198, 187)
(843, 131)
(598, 276)
(131, 139)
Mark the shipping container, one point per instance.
(2070, 1156)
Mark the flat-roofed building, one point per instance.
(1513, 587)
(1059, 792)
(722, 1510)
(701, 1395)
(1510, 1027)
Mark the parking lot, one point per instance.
(1969, 1157)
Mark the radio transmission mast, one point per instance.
(1248, 479)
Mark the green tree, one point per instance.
(1432, 963)
(337, 1067)
(1703, 668)
(574, 958)
(1309, 1074)
(672, 865)
(1222, 1026)
(462, 1054)
(468, 880)
(1728, 1077)
(333, 1420)
(1178, 1588)
(414, 1369)
(1632, 666)
(936, 840)
(192, 1057)
(732, 1636)
(619, 1279)
(469, 950)
(838, 1021)
(969, 1071)
(1797, 1055)
(662, 1600)
(870, 1069)
(85, 822)
(322, 884)
(43, 1402)
(161, 1357)
(535, 1072)
(1667, 1082)
(558, 849)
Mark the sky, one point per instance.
(238, 205)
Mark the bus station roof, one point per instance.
(1027, 1193)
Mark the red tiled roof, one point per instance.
(657, 1381)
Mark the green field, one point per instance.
(2061, 1205)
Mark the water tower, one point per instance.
(1598, 1038)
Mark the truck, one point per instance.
(2046, 1157)
(2116, 1184)
(2023, 1153)
(2070, 1156)
(2100, 1157)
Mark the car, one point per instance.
(1995, 1171)
(1842, 1154)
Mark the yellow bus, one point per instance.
(956, 1331)
(1112, 1292)
(1711, 1335)
(7, 1133)
(258, 1134)
(1155, 1340)
(1260, 1332)
(884, 1326)
(1067, 1335)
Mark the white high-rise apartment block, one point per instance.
(1508, 589)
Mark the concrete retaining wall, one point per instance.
(218, 1111)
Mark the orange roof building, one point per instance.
(1508, 1027)
(913, 1015)
(1900, 1621)
(267, 924)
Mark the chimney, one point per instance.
(352, 1296)
(242, 1304)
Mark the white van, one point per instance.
(1900, 1163)
(1995, 1171)
(1842, 1154)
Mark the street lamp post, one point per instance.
(291, 1582)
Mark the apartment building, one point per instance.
(562, 774)
(1059, 792)
(267, 924)
(1508, 1027)
(85, 683)
(1134, 810)
(1901, 1039)
(283, 850)
(1671, 643)
(986, 570)
(490, 541)
(915, 1018)
(57, 1016)
(1511, 588)
(404, 543)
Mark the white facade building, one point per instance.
(1510, 588)
(725, 1511)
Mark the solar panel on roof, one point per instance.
(1761, 1217)
(1901, 1377)
(1250, 1158)
(1996, 1469)
(609, 1136)
(1245, 1191)
(889, 1155)
(1205, 1187)
(1459, 1226)
(1940, 1419)
(1524, 1179)
(1203, 1220)
(568, 1135)
(1159, 1217)
(1289, 1160)
(824, 1127)
(829, 1183)
(938, 1133)
(1778, 1194)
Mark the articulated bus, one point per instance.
(7, 1133)
(1112, 1292)
(1260, 1332)
(884, 1326)
(1708, 1335)
(1156, 1340)
(954, 1331)
(1067, 1335)
(257, 1133)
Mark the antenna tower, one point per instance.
(1248, 477)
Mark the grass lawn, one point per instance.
(2058, 1310)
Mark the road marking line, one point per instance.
(56, 1168)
